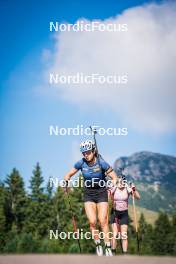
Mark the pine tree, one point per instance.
(36, 184)
(160, 243)
(16, 199)
(40, 209)
(145, 235)
(2, 217)
(49, 189)
(36, 211)
(172, 237)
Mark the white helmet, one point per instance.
(87, 145)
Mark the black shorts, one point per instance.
(96, 195)
(119, 217)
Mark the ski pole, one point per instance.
(73, 218)
(135, 221)
(94, 131)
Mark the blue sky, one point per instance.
(26, 113)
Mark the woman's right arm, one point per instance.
(72, 172)
(136, 195)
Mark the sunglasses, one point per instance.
(87, 153)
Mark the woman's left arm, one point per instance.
(135, 192)
(132, 190)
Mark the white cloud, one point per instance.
(46, 55)
(147, 52)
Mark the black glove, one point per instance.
(65, 185)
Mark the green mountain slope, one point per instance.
(155, 177)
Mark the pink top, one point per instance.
(120, 198)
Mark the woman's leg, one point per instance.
(124, 229)
(90, 209)
(115, 229)
(103, 219)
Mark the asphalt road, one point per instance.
(83, 259)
